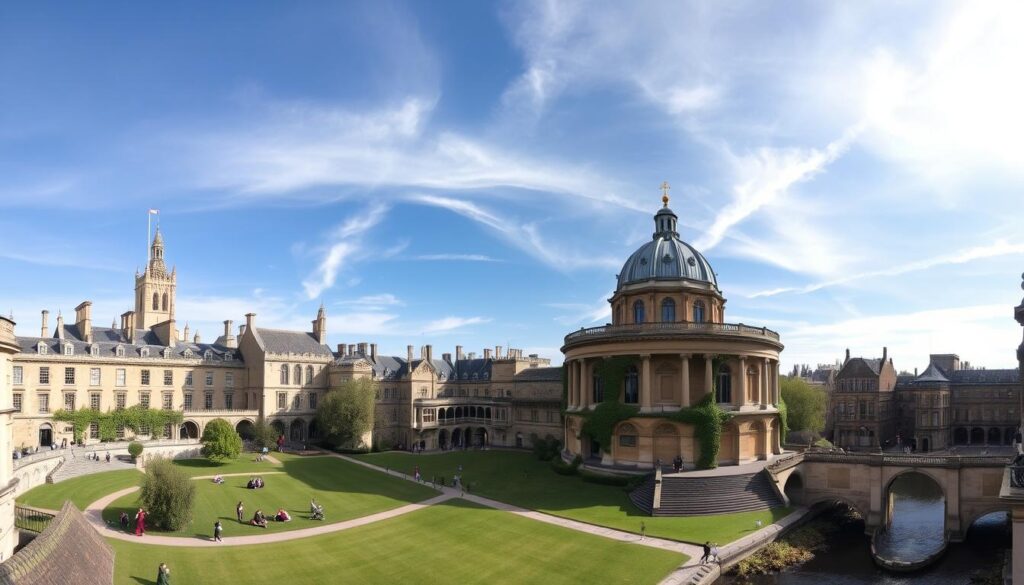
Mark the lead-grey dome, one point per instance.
(666, 257)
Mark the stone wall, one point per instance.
(50, 560)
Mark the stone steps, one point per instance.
(81, 465)
(698, 496)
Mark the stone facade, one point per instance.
(8, 484)
(668, 322)
(499, 398)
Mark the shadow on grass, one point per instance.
(143, 581)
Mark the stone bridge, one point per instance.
(970, 485)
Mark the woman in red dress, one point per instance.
(140, 522)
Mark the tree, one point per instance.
(220, 441)
(135, 449)
(346, 413)
(264, 435)
(167, 495)
(805, 404)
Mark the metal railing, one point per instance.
(671, 328)
(1016, 476)
(31, 519)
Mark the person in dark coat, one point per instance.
(163, 575)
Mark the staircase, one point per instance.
(81, 465)
(698, 496)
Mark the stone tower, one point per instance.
(320, 325)
(8, 347)
(154, 288)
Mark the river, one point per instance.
(915, 532)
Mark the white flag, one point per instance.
(154, 211)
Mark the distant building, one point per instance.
(862, 404)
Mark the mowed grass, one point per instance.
(346, 491)
(521, 479)
(453, 542)
(82, 490)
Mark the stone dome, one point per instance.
(666, 257)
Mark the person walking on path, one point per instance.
(163, 575)
(140, 522)
(714, 553)
(216, 531)
(239, 511)
(707, 553)
(643, 530)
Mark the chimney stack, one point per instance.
(885, 355)
(128, 326)
(83, 320)
(352, 349)
(458, 352)
(241, 330)
(430, 353)
(341, 350)
(184, 334)
(497, 352)
(250, 319)
(196, 340)
(487, 353)
(229, 336)
(447, 357)
(45, 330)
(408, 351)
(60, 326)
(363, 349)
(847, 355)
(373, 352)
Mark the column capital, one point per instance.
(685, 356)
(645, 356)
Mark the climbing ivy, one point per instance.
(783, 418)
(133, 418)
(707, 420)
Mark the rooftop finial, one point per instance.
(664, 193)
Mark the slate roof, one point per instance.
(932, 375)
(850, 368)
(985, 376)
(108, 339)
(553, 374)
(299, 342)
(395, 367)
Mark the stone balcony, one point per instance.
(670, 331)
(221, 412)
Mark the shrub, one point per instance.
(562, 468)
(547, 448)
(264, 435)
(220, 440)
(345, 414)
(135, 449)
(167, 495)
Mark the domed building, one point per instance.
(637, 387)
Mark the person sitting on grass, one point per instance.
(217, 479)
(258, 519)
(251, 484)
(259, 482)
(282, 515)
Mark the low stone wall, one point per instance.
(68, 551)
(176, 451)
(33, 470)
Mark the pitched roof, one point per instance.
(299, 342)
(552, 374)
(932, 375)
(859, 366)
(985, 376)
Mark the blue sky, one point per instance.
(474, 173)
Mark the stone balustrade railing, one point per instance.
(671, 328)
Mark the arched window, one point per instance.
(723, 390)
(698, 312)
(598, 394)
(309, 374)
(753, 384)
(638, 312)
(631, 391)
(156, 302)
(165, 302)
(284, 374)
(668, 311)
(298, 375)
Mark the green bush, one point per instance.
(345, 414)
(547, 448)
(220, 440)
(135, 449)
(264, 435)
(602, 479)
(562, 468)
(167, 495)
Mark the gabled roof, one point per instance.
(860, 367)
(298, 342)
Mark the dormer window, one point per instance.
(208, 355)
(119, 351)
(229, 356)
(144, 352)
(94, 350)
(188, 354)
(486, 375)
(41, 348)
(167, 352)
(69, 349)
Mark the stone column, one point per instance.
(765, 384)
(645, 383)
(585, 386)
(775, 382)
(709, 386)
(741, 383)
(570, 372)
(684, 397)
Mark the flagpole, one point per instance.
(149, 222)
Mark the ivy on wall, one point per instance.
(133, 418)
(783, 416)
(706, 416)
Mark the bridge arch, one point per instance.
(794, 487)
(860, 509)
(888, 499)
(979, 514)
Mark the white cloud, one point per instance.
(585, 313)
(378, 300)
(452, 323)
(344, 245)
(457, 257)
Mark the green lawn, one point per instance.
(345, 489)
(522, 480)
(454, 542)
(82, 490)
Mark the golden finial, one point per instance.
(664, 193)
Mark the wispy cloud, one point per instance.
(452, 323)
(998, 248)
(344, 243)
(584, 313)
(378, 300)
(457, 257)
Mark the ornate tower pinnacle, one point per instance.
(664, 193)
(155, 287)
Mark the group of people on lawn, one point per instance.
(259, 518)
(140, 522)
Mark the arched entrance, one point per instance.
(456, 437)
(794, 488)
(977, 436)
(297, 430)
(925, 444)
(189, 430)
(1008, 435)
(278, 427)
(960, 436)
(442, 439)
(480, 437)
(519, 440)
(666, 444)
(914, 517)
(313, 432)
(245, 429)
(994, 436)
(45, 436)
